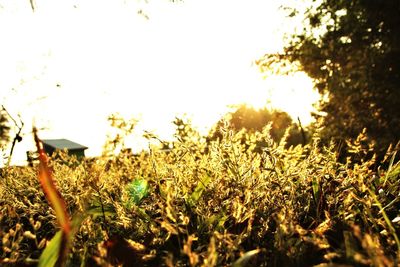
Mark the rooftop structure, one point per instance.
(51, 145)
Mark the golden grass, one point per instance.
(208, 204)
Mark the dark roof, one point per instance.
(62, 144)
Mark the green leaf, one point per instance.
(393, 170)
(245, 258)
(198, 191)
(137, 190)
(97, 211)
(51, 253)
(349, 244)
(143, 215)
(217, 221)
(315, 188)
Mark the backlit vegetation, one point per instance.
(240, 200)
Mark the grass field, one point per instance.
(228, 202)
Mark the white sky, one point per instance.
(193, 57)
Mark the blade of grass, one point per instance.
(245, 258)
(50, 254)
(57, 202)
(390, 167)
(316, 187)
(48, 185)
(392, 230)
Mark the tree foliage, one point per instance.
(254, 120)
(352, 51)
(4, 127)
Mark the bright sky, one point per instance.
(194, 57)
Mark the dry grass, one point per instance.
(215, 204)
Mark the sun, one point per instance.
(294, 94)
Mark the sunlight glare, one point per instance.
(69, 65)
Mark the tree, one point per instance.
(352, 51)
(4, 127)
(252, 120)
